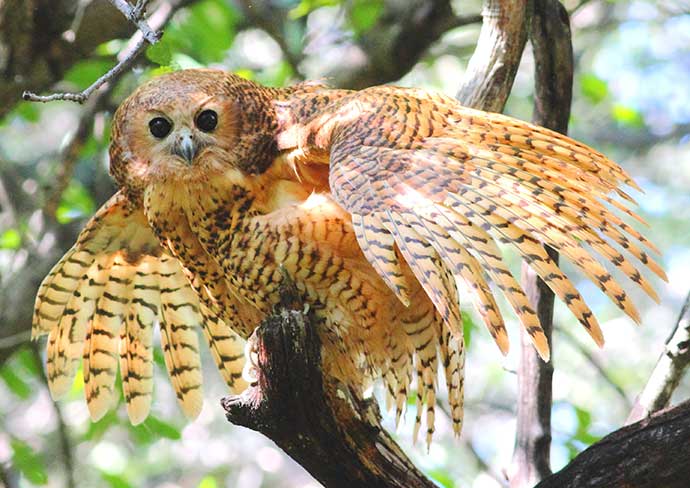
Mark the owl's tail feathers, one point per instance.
(424, 344)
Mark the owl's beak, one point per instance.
(185, 146)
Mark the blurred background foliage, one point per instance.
(631, 101)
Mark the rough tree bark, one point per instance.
(325, 427)
(652, 453)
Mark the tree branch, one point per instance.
(553, 54)
(135, 14)
(668, 371)
(142, 38)
(649, 454)
(327, 428)
(492, 68)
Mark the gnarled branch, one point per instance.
(327, 428)
(652, 453)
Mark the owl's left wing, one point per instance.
(100, 303)
(442, 183)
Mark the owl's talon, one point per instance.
(250, 371)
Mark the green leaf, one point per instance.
(76, 202)
(206, 32)
(593, 87)
(158, 358)
(28, 360)
(247, 74)
(15, 383)
(208, 482)
(364, 15)
(111, 48)
(115, 481)
(468, 326)
(27, 111)
(627, 116)
(584, 422)
(161, 70)
(277, 75)
(10, 239)
(28, 462)
(442, 478)
(161, 428)
(305, 7)
(97, 429)
(161, 52)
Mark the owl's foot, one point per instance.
(250, 371)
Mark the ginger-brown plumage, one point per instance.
(377, 203)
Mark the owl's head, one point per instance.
(186, 123)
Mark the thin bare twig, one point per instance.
(668, 371)
(144, 36)
(82, 96)
(135, 14)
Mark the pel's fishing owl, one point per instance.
(377, 203)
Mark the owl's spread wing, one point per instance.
(444, 183)
(101, 301)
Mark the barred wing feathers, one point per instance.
(99, 304)
(441, 180)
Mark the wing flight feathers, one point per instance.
(100, 303)
(450, 180)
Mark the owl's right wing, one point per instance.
(100, 303)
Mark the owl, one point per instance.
(384, 206)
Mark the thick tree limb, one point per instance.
(492, 68)
(669, 369)
(553, 54)
(327, 428)
(652, 453)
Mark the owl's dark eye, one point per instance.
(160, 127)
(207, 120)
